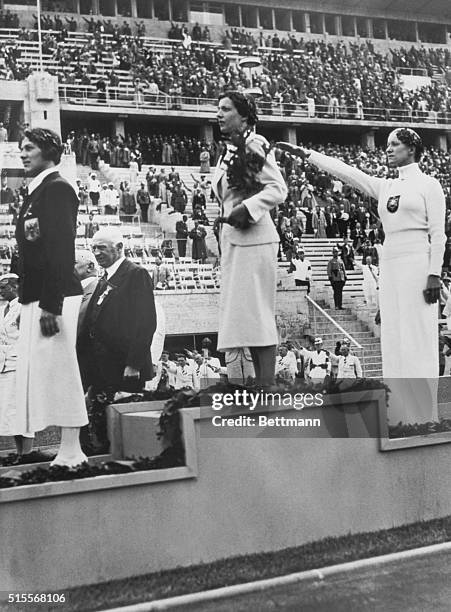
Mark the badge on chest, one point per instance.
(31, 229)
(393, 203)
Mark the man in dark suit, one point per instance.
(116, 334)
(86, 270)
(181, 235)
(376, 233)
(347, 254)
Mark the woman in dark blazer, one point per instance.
(49, 389)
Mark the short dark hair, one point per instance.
(410, 138)
(244, 103)
(48, 141)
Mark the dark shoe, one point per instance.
(91, 449)
(35, 456)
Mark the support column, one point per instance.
(206, 132)
(290, 20)
(386, 29)
(369, 28)
(240, 16)
(307, 23)
(42, 105)
(273, 19)
(354, 22)
(95, 7)
(367, 140)
(417, 33)
(134, 9)
(289, 135)
(338, 28)
(323, 23)
(118, 128)
(441, 141)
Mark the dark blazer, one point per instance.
(118, 332)
(376, 234)
(87, 295)
(45, 234)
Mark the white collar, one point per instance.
(87, 281)
(37, 180)
(409, 170)
(114, 267)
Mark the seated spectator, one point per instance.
(161, 274)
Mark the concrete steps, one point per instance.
(370, 354)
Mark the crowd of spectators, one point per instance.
(339, 80)
(9, 19)
(197, 369)
(321, 205)
(420, 57)
(155, 148)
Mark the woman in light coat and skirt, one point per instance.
(248, 238)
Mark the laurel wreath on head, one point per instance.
(244, 162)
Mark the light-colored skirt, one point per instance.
(247, 305)
(409, 338)
(48, 384)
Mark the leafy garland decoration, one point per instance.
(170, 431)
(244, 165)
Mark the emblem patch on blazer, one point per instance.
(31, 229)
(393, 203)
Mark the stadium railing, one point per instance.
(127, 96)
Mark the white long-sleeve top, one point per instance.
(411, 208)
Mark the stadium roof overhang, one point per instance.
(427, 8)
(436, 11)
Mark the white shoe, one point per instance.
(70, 462)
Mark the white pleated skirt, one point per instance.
(48, 385)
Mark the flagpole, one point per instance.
(38, 10)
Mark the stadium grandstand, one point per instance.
(132, 87)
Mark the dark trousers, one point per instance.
(301, 283)
(95, 196)
(181, 245)
(144, 209)
(337, 287)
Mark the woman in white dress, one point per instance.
(9, 335)
(412, 210)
